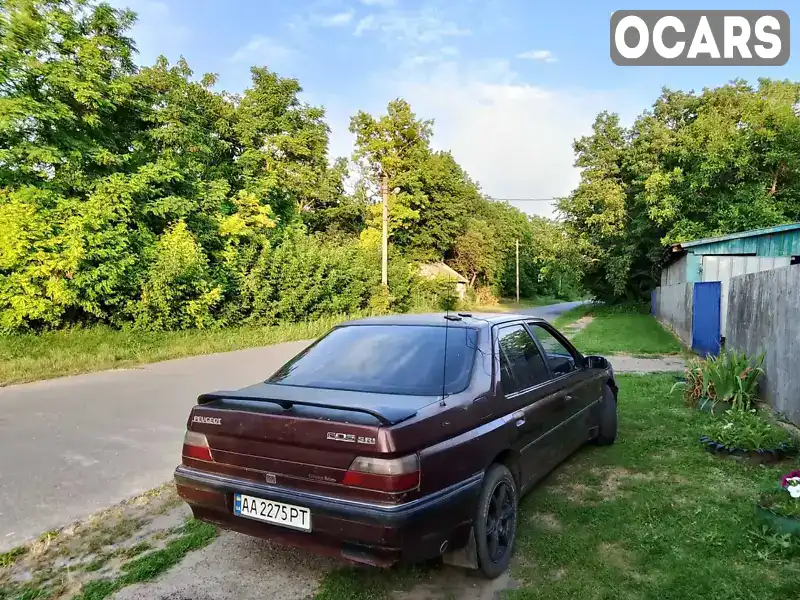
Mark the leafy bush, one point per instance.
(438, 293)
(746, 430)
(178, 292)
(484, 296)
(731, 378)
(693, 387)
(307, 278)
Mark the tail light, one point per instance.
(195, 445)
(384, 474)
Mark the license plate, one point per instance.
(269, 511)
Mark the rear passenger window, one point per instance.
(521, 363)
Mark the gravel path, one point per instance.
(624, 363)
(237, 567)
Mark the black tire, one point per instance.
(496, 521)
(607, 431)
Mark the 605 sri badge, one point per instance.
(349, 437)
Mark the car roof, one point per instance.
(462, 319)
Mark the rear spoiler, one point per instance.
(386, 415)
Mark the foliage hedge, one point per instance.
(142, 196)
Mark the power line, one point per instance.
(524, 199)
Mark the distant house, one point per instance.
(439, 270)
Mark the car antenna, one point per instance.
(447, 318)
(444, 357)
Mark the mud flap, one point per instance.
(466, 557)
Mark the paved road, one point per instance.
(74, 445)
(551, 311)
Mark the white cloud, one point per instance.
(335, 20)
(544, 55)
(418, 27)
(368, 23)
(377, 2)
(261, 49)
(513, 137)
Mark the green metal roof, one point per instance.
(783, 240)
(743, 234)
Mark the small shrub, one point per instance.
(484, 296)
(179, 292)
(731, 378)
(746, 430)
(693, 386)
(438, 293)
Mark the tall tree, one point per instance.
(393, 146)
(695, 165)
(69, 113)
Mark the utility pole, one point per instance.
(385, 232)
(517, 244)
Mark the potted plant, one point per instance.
(780, 507)
(745, 435)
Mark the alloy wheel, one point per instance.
(500, 521)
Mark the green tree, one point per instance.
(392, 147)
(474, 253)
(695, 165)
(69, 113)
(284, 143)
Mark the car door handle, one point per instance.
(567, 398)
(520, 418)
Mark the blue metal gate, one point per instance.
(706, 317)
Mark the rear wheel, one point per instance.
(496, 521)
(607, 431)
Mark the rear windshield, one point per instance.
(388, 359)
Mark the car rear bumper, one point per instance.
(359, 532)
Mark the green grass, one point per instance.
(31, 357)
(194, 536)
(616, 330)
(510, 305)
(9, 558)
(354, 583)
(572, 315)
(653, 517)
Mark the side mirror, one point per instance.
(596, 362)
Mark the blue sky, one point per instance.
(509, 83)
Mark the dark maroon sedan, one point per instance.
(399, 439)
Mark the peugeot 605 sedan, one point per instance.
(399, 438)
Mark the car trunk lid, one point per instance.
(296, 437)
